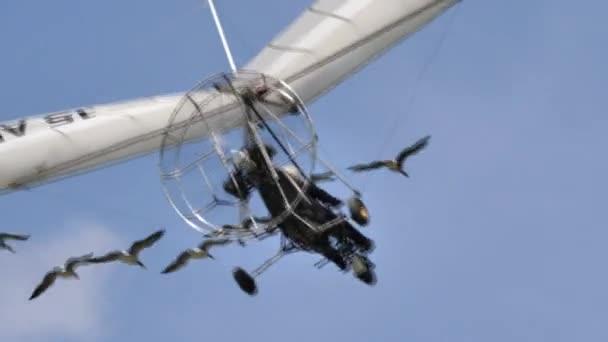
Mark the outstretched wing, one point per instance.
(320, 177)
(21, 237)
(413, 149)
(111, 256)
(137, 246)
(179, 262)
(207, 244)
(369, 166)
(74, 262)
(46, 282)
(231, 227)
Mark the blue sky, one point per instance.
(499, 234)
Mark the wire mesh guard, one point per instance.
(202, 140)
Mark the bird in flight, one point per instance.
(11, 236)
(68, 270)
(131, 256)
(199, 252)
(397, 164)
(245, 225)
(322, 177)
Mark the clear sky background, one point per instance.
(500, 233)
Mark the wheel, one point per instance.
(369, 277)
(245, 281)
(358, 211)
(363, 271)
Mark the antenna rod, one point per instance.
(220, 30)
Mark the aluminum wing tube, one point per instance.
(324, 46)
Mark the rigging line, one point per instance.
(220, 31)
(239, 36)
(255, 111)
(250, 105)
(398, 119)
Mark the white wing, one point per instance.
(324, 46)
(332, 39)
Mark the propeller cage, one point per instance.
(202, 142)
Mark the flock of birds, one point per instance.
(131, 256)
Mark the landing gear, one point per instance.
(363, 269)
(245, 281)
(361, 266)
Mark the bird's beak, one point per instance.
(141, 264)
(210, 256)
(76, 276)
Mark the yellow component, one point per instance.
(363, 212)
(358, 211)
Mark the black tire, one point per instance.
(368, 277)
(245, 281)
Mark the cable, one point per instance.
(238, 35)
(396, 125)
(220, 31)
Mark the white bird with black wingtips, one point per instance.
(200, 252)
(11, 236)
(68, 270)
(131, 256)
